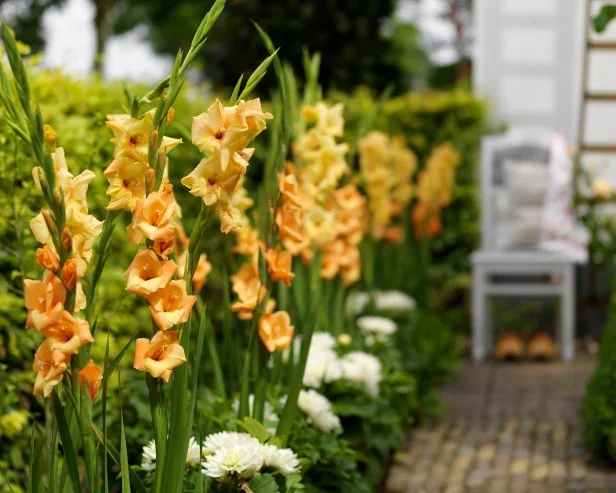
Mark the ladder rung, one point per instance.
(599, 148)
(594, 45)
(597, 96)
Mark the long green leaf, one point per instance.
(116, 361)
(70, 456)
(115, 456)
(257, 75)
(124, 467)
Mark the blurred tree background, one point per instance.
(360, 41)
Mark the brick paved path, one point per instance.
(509, 428)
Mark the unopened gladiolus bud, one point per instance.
(47, 258)
(50, 137)
(170, 116)
(48, 219)
(38, 177)
(69, 274)
(67, 240)
(344, 339)
(92, 375)
(154, 138)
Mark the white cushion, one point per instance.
(526, 183)
(519, 228)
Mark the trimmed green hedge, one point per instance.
(599, 404)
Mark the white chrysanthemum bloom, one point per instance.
(148, 457)
(283, 460)
(232, 453)
(364, 368)
(322, 366)
(380, 327)
(322, 341)
(193, 456)
(394, 301)
(270, 418)
(356, 303)
(318, 409)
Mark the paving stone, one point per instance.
(509, 429)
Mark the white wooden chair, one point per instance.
(507, 273)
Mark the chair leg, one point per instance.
(479, 315)
(567, 314)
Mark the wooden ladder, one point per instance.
(590, 96)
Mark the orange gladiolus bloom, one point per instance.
(47, 258)
(44, 300)
(92, 375)
(394, 234)
(160, 355)
(200, 275)
(66, 333)
(276, 331)
(171, 305)
(69, 274)
(425, 222)
(154, 216)
(50, 369)
(250, 291)
(279, 265)
(147, 273)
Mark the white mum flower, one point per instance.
(318, 409)
(322, 341)
(380, 327)
(394, 301)
(283, 460)
(148, 457)
(232, 453)
(364, 368)
(356, 303)
(193, 456)
(322, 365)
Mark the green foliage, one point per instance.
(606, 15)
(425, 121)
(599, 404)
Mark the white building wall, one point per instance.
(528, 58)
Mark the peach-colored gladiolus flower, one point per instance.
(279, 265)
(171, 305)
(44, 300)
(249, 289)
(92, 375)
(131, 136)
(329, 121)
(127, 179)
(50, 369)
(161, 355)
(164, 245)
(224, 132)
(211, 182)
(425, 222)
(47, 258)
(292, 195)
(276, 331)
(154, 216)
(394, 234)
(66, 333)
(69, 274)
(147, 274)
(247, 243)
(201, 272)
